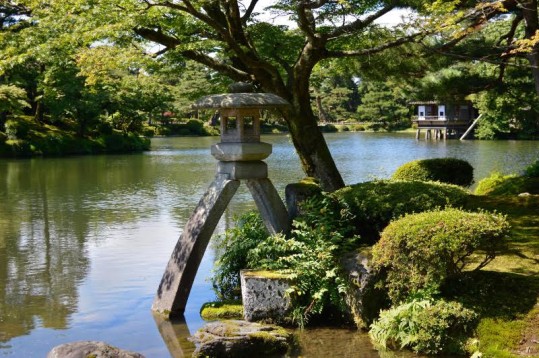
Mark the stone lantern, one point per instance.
(239, 154)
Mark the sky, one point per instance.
(392, 18)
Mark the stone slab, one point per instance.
(264, 295)
(233, 152)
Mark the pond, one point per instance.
(84, 240)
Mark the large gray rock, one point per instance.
(241, 339)
(364, 299)
(94, 349)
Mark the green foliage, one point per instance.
(420, 251)
(17, 129)
(310, 256)
(498, 184)
(25, 137)
(510, 110)
(445, 170)
(532, 170)
(12, 99)
(384, 104)
(376, 203)
(232, 249)
(510, 184)
(425, 326)
(193, 127)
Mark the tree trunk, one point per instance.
(39, 113)
(322, 114)
(310, 144)
(531, 18)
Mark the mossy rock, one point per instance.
(445, 170)
(242, 339)
(212, 311)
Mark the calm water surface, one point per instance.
(84, 241)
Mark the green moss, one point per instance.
(212, 311)
(269, 274)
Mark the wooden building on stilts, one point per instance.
(442, 120)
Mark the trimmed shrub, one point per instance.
(445, 170)
(425, 327)
(511, 184)
(419, 251)
(498, 184)
(376, 203)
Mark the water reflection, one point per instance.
(176, 335)
(42, 253)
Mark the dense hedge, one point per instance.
(445, 170)
(376, 203)
(425, 327)
(419, 251)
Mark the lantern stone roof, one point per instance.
(241, 100)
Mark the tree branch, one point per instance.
(249, 11)
(232, 72)
(376, 49)
(306, 21)
(358, 24)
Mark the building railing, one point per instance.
(435, 121)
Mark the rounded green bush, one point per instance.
(445, 170)
(419, 251)
(376, 203)
(511, 184)
(425, 327)
(499, 184)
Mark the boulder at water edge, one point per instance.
(84, 349)
(236, 338)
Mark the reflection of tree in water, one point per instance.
(42, 257)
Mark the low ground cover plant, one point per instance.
(425, 326)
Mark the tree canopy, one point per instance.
(106, 44)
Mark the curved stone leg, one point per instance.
(183, 265)
(270, 205)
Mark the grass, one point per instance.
(507, 294)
